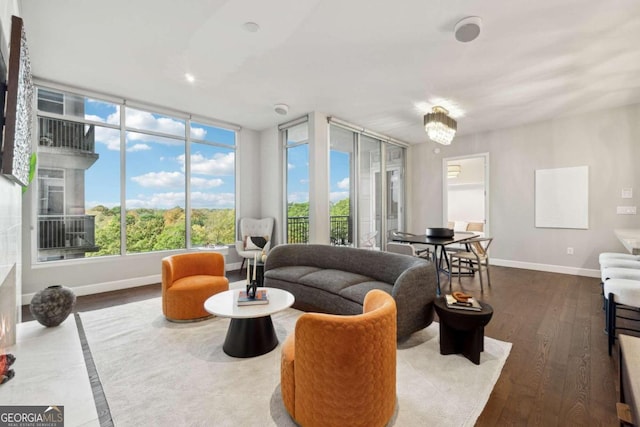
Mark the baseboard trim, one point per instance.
(117, 285)
(97, 288)
(562, 269)
(156, 278)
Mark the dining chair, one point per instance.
(368, 241)
(407, 249)
(475, 258)
(421, 251)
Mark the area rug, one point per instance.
(154, 372)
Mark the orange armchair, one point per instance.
(188, 280)
(341, 370)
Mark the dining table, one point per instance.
(440, 257)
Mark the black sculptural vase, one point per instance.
(252, 288)
(52, 305)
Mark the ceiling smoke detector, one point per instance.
(281, 109)
(468, 29)
(251, 27)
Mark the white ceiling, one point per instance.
(380, 64)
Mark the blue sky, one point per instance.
(155, 166)
(298, 174)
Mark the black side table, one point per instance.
(462, 331)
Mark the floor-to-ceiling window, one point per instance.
(212, 163)
(154, 182)
(83, 143)
(78, 144)
(342, 145)
(296, 148)
(370, 171)
(395, 172)
(369, 192)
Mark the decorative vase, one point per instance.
(52, 305)
(252, 288)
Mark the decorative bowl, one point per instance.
(439, 232)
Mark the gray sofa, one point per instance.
(335, 279)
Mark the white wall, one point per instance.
(110, 273)
(607, 141)
(272, 181)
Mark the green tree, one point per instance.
(107, 234)
(172, 237)
(213, 226)
(144, 227)
(341, 208)
(298, 222)
(298, 209)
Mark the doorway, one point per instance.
(466, 193)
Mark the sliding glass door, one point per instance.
(341, 154)
(366, 189)
(370, 193)
(394, 167)
(296, 141)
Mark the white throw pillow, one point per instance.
(254, 243)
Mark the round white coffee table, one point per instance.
(251, 331)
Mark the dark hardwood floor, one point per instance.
(558, 373)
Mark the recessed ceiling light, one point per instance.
(189, 77)
(251, 27)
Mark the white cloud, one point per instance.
(336, 196)
(290, 166)
(93, 203)
(304, 181)
(219, 164)
(212, 200)
(135, 136)
(344, 184)
(94, 118)
(173, 180)
(157, 200)
(114, 118)
(138, 147)
(108, 137)
(160, 180)
(146, 121)
(173, 199)
(206, 183)
(298, 197)
(198, 133)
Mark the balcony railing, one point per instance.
(66, 134)
(341, 230)
(66, 232)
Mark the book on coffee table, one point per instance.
(260, 298)
(471, 304)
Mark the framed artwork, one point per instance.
(562, 198)
(16, 146)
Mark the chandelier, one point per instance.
(439, 126)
